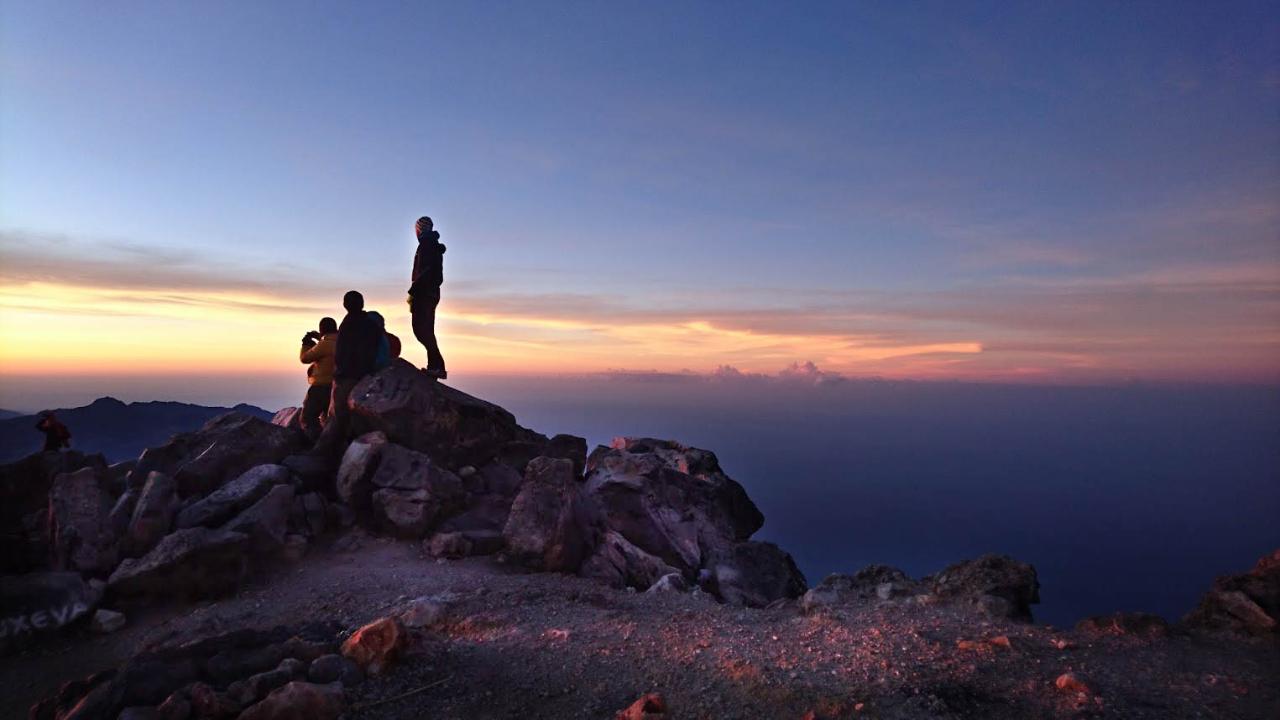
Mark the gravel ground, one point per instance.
(519, 645)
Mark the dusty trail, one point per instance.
(515, 644)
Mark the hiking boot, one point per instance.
(437, 373)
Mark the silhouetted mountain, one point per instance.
(6, 414)
(118, 430)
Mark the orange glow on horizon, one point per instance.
(48, 328)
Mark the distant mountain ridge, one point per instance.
(118, 430)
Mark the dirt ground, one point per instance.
(521, 645)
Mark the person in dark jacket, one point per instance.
(424, 293)
(353, 358)
(56, 435)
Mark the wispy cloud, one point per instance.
(1184, 319)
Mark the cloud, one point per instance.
(1178, 319)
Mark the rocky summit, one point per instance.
(448, 562)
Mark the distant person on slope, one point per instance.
(318, 350)
(353, 356)
(424, 293)
(56, 435)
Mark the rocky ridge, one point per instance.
(198, 516)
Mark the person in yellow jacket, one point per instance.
(318, 351)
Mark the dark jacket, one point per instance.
(357, 348)
(428, 265)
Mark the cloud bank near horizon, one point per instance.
(70, 305)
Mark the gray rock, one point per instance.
(224, 503)
(411, 493)
(358, 464)
(425, 611)
(452, 427)
(255, 687)
(334, 668)
(38, 604)
(756, 574)
(223, 449)
(671, 501)
(153, 515)
(545, 527)
(464, 543)
(107, 621)
(621, 564)
(191, 562)
(80, 531)
(1243, 604)
(979, 582)
(122, 512)
(267, 520)
(669, 583)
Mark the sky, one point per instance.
(1034, 192)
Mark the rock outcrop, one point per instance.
(152, 516)
(995, 584)
(450, 426)
(225, 502)
(40, 603)
(194, 562)
(224, 448)
(79, 530)
(1243, 604)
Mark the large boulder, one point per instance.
(404, 490)
(228, 500)
(672, 501)
(24, 505)
(1243, 604)
(756, 574)
(871, 582)
(359, 462)
(192, 562)
(454, 428)
(548, 526)
(152, 515)
(34, 605)
(996, 584)
(223, 449)
(79, 526)
(266, 521)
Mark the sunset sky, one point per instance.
(1074, 192)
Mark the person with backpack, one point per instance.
(56, 435)
(388, 344)
(318, 351)
(424, 293)
(354, 356)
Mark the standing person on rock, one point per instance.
(424, 293)
(318, 350)
(354, 355)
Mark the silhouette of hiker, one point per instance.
(388, 344)
(318, 350)
(424, 293)
(354, 356)
(56, 435)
